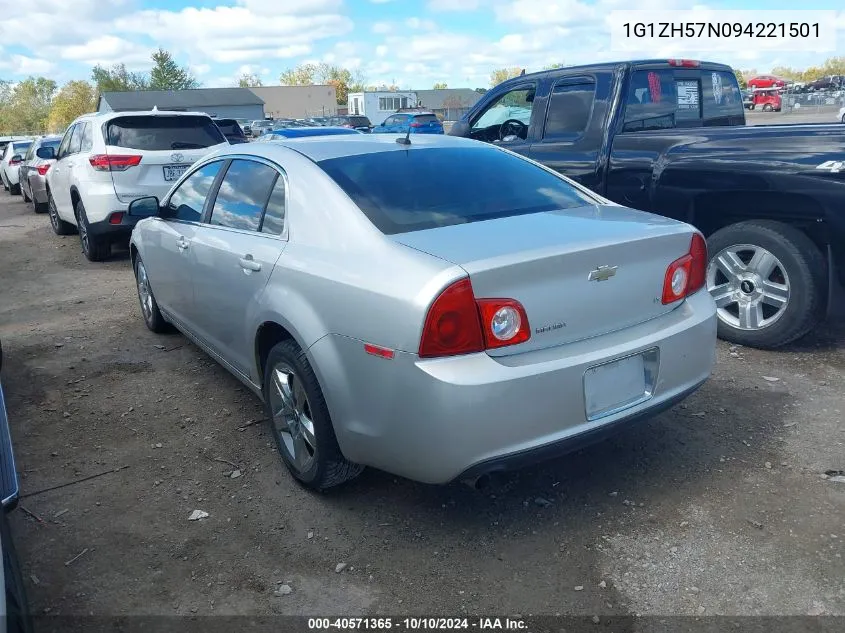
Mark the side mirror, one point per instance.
(146, 207)
(17, 158)
(47, 153)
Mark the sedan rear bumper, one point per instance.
(442, 419)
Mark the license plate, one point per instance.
(614, 386)
(174, 172)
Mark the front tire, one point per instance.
(153, 318)
(60, 227)
(26, 197)
(769, 282)
(94, 247)
(300, 421)
(767, 108)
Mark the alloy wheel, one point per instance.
(749, 285)
(144, 293)
(83, 232)
(54, 216)
(292, 417)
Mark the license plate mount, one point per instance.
(619, 384)
(174, 172)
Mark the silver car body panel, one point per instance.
(335, 282)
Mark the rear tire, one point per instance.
(60, 227)
(153, 317)
(15, 190)
(94, 247)
(776, 260)
(767, 108)
(304, 422)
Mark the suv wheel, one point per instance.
(299, 420)
(95, 248)
(60, 227)
(768, 280)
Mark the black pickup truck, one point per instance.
(669, 136)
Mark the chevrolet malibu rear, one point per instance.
(545, 318)
(438, 309)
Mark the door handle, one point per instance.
(182, 244)
(248, 263)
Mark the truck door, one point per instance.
(571, 138)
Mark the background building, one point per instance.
(450, 104)
(297, 102)
(235, 103)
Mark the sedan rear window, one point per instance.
(155, 133)
(358, 121)
(404, 191)
(426, 118)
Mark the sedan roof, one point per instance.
(324, 147)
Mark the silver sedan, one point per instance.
(438, 309)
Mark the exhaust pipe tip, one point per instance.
(482, 483)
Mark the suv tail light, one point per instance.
(457, 323)
(113, 162)
(43, 169)
(685, 275)
(416, 124)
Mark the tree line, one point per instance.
(37, 105)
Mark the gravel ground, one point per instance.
(719, 506)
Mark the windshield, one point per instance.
(402, 191)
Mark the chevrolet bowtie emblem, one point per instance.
(602, 273)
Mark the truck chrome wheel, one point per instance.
(749, 285)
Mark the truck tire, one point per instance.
(767, 107)
(769, 282)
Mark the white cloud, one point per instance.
(107, 50)
(23, 65)
(418, 24)
(380, 1)
(453, 5)
(381, 28)
(208, 34)
(200, 69)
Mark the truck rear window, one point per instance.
(664, 99)
(404, 191)
(155, 133)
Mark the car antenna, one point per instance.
(407, 139)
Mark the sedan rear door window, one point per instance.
(243, 194)
(188, 200)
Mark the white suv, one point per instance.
(107, 160)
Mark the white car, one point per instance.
(10, 164)
(107, 160)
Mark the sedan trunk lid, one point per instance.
(578, 273)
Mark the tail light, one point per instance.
(416, 124)
(116, 217)
(457, 323)
(685, 276)
(15, 161)
(43, 169)
(113, 162)
(684, 63)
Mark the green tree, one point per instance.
(343, 79)
(166, 74)
(117, 79)
(249, 81)
(440, 86)
(73, 99)
(27, 106)
(503, 74)
(554, 66)
(741, 79)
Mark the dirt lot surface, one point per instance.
(719, 506)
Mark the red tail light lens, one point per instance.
(109, 162)
(416, 124)
(15, 161)
(685, 275)
(504, 322)
(116, 217)
(452, 326)
(43, 169)
(458, 324)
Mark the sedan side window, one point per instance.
(188, 200)
(274, 215)
(243, 195)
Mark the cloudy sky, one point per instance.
(413, 43)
